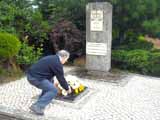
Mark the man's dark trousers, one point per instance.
(48, 90)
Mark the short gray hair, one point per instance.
(63, 53)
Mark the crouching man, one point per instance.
(40, 75)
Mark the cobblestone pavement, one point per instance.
(138, 99)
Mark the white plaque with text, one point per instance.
(96, 48)
(96, 20)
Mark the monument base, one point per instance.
(114, 75)
(100, 74)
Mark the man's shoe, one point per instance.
(37, 110)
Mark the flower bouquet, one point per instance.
(76, 86)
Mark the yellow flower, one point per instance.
(76, 91)
(81, 88)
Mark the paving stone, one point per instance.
(139, 99)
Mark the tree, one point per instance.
(129, 17)
(65, 35)
(19, 17)
(55, 10)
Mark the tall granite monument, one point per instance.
(98, 36)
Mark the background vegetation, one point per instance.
(41, 27)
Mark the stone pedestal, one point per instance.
(98, 36)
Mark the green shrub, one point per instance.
(28, 55)
(135, 60)
(119, 56)
(155, 50)
(2, 71)
(143, 44)
(141, 61)
(155, 63)
(9, 45)
(152, 27)
(139, 43)
(138, 60)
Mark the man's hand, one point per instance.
(69, 91)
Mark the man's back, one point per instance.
(45, 68)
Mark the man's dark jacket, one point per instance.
(48, 67)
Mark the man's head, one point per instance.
(64, 55)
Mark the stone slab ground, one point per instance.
(137, 99)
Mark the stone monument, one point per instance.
(98, 36)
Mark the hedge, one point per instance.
(142, 61)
